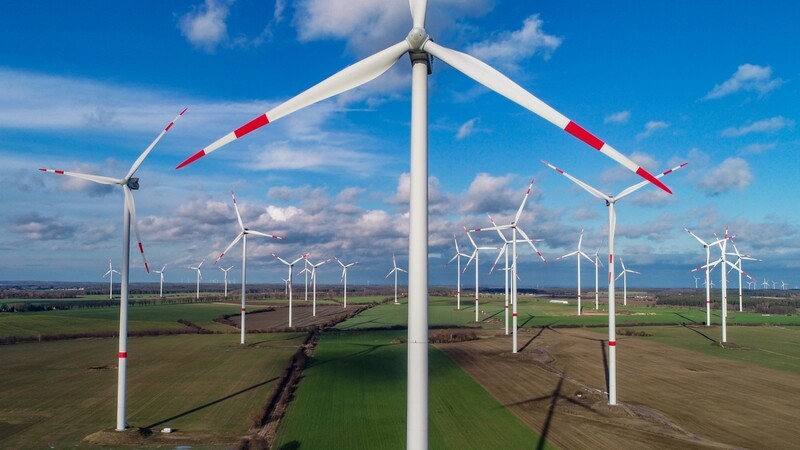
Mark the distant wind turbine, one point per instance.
(578, 253)
(624, 275)
(110, 273)
(290, 265)
(313, 283)
(161, 283)
(344, 276)
(476, 256)
(457, 258)
(708, 283)
(394, 271)
(225, 271)
(739, 258)
(199, 276)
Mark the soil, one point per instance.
(667, 397)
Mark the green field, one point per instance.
(106, 319)
(353, 395)
(51, 396)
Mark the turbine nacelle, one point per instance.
(133, 184)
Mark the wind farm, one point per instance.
(386, 137)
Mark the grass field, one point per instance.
(353, 395)
(86, 320)
(198, 384)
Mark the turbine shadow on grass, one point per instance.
(291, 445)
(700, 333)
(530, 317)
(605, 363)
(686, 318)
(220, 400)
(498, 312)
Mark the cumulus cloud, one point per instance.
(466, 129)
(757, 149)
(282, 214)
(651, 127)
(37, 227)
(748, 77)
(509, 48)
(204, 26)
(772, 124)
(283, 156)
(438, 201)
(491, 194)
(618, 117)
(733, 173)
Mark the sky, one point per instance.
(86, 86)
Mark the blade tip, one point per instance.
(192, 159)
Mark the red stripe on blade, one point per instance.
(646, 175)
(577, 131)
(169, 126)
(192, 159)
(141, 249)
(254, 124)
(60, 172)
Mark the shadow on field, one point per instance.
(700, 333)
(370, 348)
(605, 362)
(685, 318)
(220, 400)
(488, 318)
(530, 317)
(541, 330)
(291, 445)
(554, 397)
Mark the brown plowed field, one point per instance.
(668, 397)
(301, 317)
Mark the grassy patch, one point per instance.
(353, 395)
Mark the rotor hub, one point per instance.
(416, 38)
(133, 184)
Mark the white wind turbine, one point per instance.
(722, 244)
(708, 283)
(696, 279)
(750, 284)
(783, 286)
(243, 233)
(285, 287)
(624, 275)
(290, 265)
(313, 283)
(421, 48)
(597, 266)
(612, 225)
(765, 284)
(161, 282)
(344, 276)
(305, 271)
(394, 271)
(578, 253)
(476, 256)
(514, 227)
(457, 258)
(225, 271)
(110, 274)
(128, 183)
(738, 263)
(508, 271)
(199, 276)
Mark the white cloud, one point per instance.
(490, 194)
(748, 77)
(37, 227)
(508, 49)
(762, 126)
(733, 173)
(618, 117)
(651, 127)
(205, 26)
(466, 129)
(757, 149)
(279, 214)
(283, 156)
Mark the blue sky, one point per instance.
(86, 86)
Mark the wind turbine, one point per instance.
(161, 276)
(750, 284)
(394, 271)
(695, 282)
(722, 244)
(708, 283)
(225, 271)
(457, 258)
(313, 283)
(774, 283)
(243, 233)
(128, 184)
(783, 285)
(514, 227)
(624, 275)
(199, 276)
(110, 272)
(421, 48)
(738, 263)
(476, 256)
(306, 272)
(765, 284)
(291, 288)
(344, 276)
(612, 225)
(597, 266)
(578, 253)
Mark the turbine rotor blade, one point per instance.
(85, 176)
(236, 208)
(636, 187)
(418, 10)
(258, 233)
(522, 205)
(580, 183)
(350, 77)
(129, 203)
(235, 240)
(496, 81)
(140, 159)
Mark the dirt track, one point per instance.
(668, 397)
